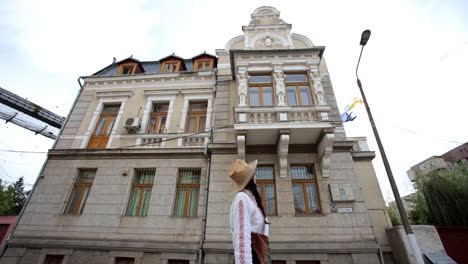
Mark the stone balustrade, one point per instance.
(268, 115)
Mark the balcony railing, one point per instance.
(194, 141)
(180, 139)
(268, 115)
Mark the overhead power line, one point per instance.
(23, 151)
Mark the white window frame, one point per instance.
(195, 95)
(106, 98)
(152, 98)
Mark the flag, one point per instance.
(347, 115)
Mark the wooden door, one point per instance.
(104, 127)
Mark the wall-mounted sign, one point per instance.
(345, 210)
(341, 192)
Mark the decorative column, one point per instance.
(280, 89)
(316, 77)
(242, 89)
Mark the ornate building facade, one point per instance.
(139, 171)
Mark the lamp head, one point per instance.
(365, 37)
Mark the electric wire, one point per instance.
(174, 138)
(23, 151)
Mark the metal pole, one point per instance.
(401, 209)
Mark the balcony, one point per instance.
(270, 115)
(284, 126)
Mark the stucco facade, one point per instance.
(279, 135)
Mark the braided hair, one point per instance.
(252, 187)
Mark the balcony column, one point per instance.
(243, 87)
(325, 149)
(282, 152)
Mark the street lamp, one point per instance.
(409, 232)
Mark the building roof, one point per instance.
(456, 154)
(149, 67)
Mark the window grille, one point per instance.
(305, 189)
(141, 192)
(265, 176)
(80, 192)
(188, 189)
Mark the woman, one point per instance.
(249, 226)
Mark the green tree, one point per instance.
(442, 197)
(12, 197)
(394, 215)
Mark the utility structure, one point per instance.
(139, 173)
(28, 115)
(401, 209)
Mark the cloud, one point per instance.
(66, 37)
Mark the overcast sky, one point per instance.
(413, 68)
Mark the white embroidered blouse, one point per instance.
(245, 218)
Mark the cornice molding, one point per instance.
(114, 94)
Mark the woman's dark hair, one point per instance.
(252, 187)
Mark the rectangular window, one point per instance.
(104, 126)
(203, 64)
(141, 192)
(188, 189)
(54, 259)
(266, 187)
(298, 89)
(308, 262)
(158, 118)
(261, 90)
(305, 189)
(80, 192)
(170, 66)
(196, 117)
(124, 260)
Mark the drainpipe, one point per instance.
(201, 253)
(3, 250)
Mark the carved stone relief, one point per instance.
(242, 89)
(318, 87)
(280, 90)
(268, 42)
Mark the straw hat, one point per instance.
(241, 173)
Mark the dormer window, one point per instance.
(126, 69)
(203, 64)
(170, 66)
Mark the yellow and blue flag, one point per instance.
(347, 115)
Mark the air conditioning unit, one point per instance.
(132, 124)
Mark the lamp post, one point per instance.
(409, 232)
